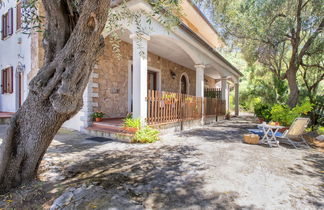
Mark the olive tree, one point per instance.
(72, 42)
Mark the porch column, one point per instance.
(225, 93)
(200, 84)
(200, 80)
(237, 107)
(140, 76)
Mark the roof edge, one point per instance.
(205, 44)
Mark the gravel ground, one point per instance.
(207, 168)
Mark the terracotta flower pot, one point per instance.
(98, 119)
(130, 130)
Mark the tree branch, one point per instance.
(310, 40)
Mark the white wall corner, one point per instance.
(95, 85)
(94, 75)
(94, 95)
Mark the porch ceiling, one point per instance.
(170, 50)
(166, 49)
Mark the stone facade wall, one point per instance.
(210, 82)
(113, 79)
(37, 50)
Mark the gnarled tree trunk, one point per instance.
(72, 43)
(293, 87)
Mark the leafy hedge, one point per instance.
(281, 113)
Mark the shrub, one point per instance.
(146, 135)
(320, 130)
(129, 115)
(132, 123)
(262, 111)
(97, 115)
(285, 115)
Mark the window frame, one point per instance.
(7, 20)
(7, 80)
(4, 26)
(19, 16)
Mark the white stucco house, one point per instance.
(181, 65)
(15, 58)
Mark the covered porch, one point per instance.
(161, 77)
(171, 80)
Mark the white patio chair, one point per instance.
(294, 135)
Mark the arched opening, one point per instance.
(184, 84)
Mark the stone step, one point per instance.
(109, 133)
(4, 120)
(5, 117)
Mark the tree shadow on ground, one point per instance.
(314, 168)
(72, 141)
(229, 131)
(159, 178)
(156, 178)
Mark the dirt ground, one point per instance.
(207, 168)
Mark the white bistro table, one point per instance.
(270, 132)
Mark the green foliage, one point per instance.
(132, 123)
(285, 115)
(320, 130)
(265, 32)
(317, 113)
(97, 115)
(263, 111)
(146, 135)
(166, 13)
(129, 115)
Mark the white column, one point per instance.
(140, 76)
(200, 85)
(225, 92)
(200, 80)
(237, 107)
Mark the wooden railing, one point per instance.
(213, 93)
(214, 107)
(168, 107)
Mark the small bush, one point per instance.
(320, 130)
(132, 123)
(285, 115)
(263, 111)
(129, 115)
(97, 115)
(146, 135)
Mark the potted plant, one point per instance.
(97, 116)
(132, 125)
(227, 116)
(168, 98)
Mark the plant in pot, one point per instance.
(132, 125)
(97, 116)
(227, 116)
(168, 98)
